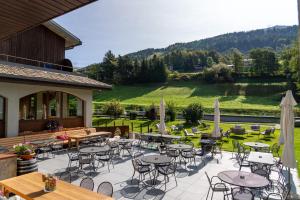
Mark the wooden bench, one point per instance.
(11, 141)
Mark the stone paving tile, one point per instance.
(192, 182)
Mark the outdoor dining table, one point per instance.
(243, 179)
(156, 159)
(31, 187)
(261, 157)
(256, 145)
(94, 149)
(79, 137)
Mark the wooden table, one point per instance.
(262, 158)
(31, 187)
(79, 137)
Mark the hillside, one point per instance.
(246, 98)
(276, 37)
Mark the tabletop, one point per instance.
(260, 157)
(180, 146)
(94, 149)
(256, 144)
(31, 187)
(79, 136)
(162, 136)
(243, 179)
(208, 141)
(156, 159)
(124, 140)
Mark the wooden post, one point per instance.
(123, 123)
(105, 123)
(114, 123)
(131, 126)
(148, 129)
(141, 127)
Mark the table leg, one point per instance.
(70, 143)
(77, 143)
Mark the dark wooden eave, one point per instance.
(20, 15)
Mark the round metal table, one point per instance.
(243, 179)
(124, 141)
(94, 149)
(156, 159)
(256, 145)
(180, 146)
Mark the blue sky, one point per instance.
(125, 26)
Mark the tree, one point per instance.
(209, 62)
(237, 60)
(108, 66)
(264, 61)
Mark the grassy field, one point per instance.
(226, 126)
(263, 97)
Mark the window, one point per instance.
(28, 107)
(74, 106)
(2, 108)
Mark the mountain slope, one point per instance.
(276, 37)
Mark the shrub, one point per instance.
(151, 112)
(132, 115)
(113, 109)
(218, 73)
(171, 110)
(193, 112)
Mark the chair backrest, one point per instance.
(208, 180)
(137, 155)
(242, 193)
(87, 183)
(105, 188)
(83, 156)
(194, 129)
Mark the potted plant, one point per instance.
(24, 151)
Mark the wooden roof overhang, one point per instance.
(20, 15)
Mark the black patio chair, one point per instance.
(173, 153)
(105, 157)
(105, 188)
(166, 170)
(260, 169)
(162, 149)
(234, 146)
(241, 194)
(87, 183)
(141, 169)
(242, 157)
(189, 155)
(216, 186)
(44, 150)
(127, 147)
(115, 149)
(57, 147)
(85, 159)
(73, 157)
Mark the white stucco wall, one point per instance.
(13, 92)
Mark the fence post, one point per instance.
(114, 123)
(132, 126)
(123, 123)
(141, 127)
(105, 123)
(148, 129)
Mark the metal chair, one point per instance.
(262, 170)
(57, 147)
(189, 155)
(115, 149)
(85, 159)
(87, 183)
(167, 170)
(105, 188)
(73, 157)
(241, 194)
(45, 150)
(141, 169)
(234, 146)
(127, 147)
(172, 153)
(162, 149)
(217, 149)
(242, 157)
(216, 187)
(105, 157)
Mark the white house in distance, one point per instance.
(38, 87)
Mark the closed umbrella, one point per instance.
(288, 123)
(281, 139)
(162, 125)
(216, 132)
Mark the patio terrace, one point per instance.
(192, 182)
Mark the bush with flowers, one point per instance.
(23, 149)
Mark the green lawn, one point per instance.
(262, 97)
(226, 126)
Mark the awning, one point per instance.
(17, 16)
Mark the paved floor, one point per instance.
(192, 182)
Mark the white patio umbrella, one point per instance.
(288, 123)
(216, 132)
(281, 139)
(162, 125)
